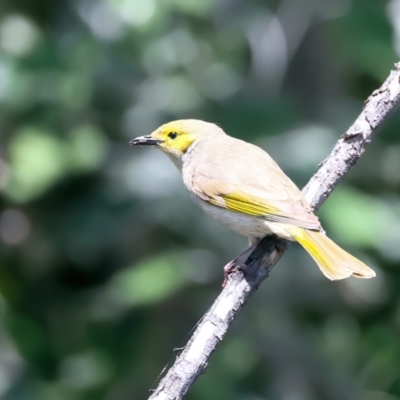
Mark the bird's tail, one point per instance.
(334, 262)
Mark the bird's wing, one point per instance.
(250, 182)
(244, 200)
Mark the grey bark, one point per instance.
(211, 330)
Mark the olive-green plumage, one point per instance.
(241, 186)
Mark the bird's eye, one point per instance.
(172, 135)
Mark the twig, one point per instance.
(209, 333)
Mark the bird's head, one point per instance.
(175, 138)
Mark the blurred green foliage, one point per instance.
(106, 265)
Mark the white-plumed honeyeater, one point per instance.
(242, 187)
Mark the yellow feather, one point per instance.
(333, 261)
(252, 206)
(246, 205)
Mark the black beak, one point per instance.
(145, 141)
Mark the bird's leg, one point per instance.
(231, 266)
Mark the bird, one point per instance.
(241, 186)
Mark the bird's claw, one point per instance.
(232, 267)
(228, 269)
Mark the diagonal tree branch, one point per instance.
(209, 333)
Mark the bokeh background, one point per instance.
(106, 265)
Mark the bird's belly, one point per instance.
(246, 225)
